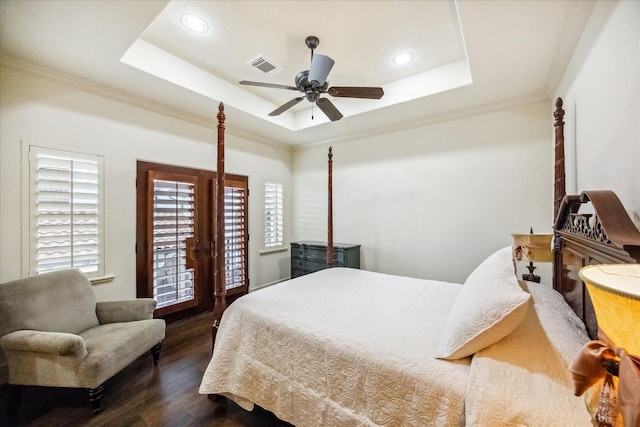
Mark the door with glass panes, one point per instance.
(176, 216)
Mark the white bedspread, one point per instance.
(362, 359)
(524, 379)
(346, 347)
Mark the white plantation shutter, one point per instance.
(66, 211)
(235, 233)
(273, 212)
(176, 246)
(173, 222)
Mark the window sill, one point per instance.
(273, 250)
(102, 279)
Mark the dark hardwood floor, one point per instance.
(144, 395)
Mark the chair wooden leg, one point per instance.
(155, 351)
(95, 396)
(15, 396)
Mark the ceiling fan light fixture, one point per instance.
(320, 67)
(194, 23)
(402, 58)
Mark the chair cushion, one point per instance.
(109, 348)
(113, 346)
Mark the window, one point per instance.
(273, 212)
(66, 211)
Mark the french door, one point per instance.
(176, 214)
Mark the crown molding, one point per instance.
(21, 65)
(433, 119)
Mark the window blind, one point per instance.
(273, 213)
(66, 212)
(235, 229)
(173, 222)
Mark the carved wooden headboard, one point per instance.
(590, 228)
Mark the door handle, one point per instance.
(192, 251)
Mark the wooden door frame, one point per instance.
(206, 265)
(205, 211)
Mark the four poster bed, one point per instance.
(346, 347)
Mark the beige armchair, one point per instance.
(53, 333)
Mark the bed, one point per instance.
(346, 347)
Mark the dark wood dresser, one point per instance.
(307, 257)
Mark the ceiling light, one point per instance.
(403, 58)
(194, 23)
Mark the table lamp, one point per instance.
(533, 248)
(615, 293)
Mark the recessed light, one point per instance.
(194, 23)
(403, 58)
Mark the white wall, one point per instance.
(57, 114)
(433, 201)
(457, 189)
(430, 201)
(601, 93)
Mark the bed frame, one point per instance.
(219, 284)
(602, 233)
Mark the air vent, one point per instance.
(265, 64)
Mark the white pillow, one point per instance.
(490, 305)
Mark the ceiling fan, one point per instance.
(313, 82)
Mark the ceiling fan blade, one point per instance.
(321, 65)
(329, 109)
(273, 85)
(356, 92)
(286, 106)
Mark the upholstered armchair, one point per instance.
(54, 333)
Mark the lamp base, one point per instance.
(530, 277)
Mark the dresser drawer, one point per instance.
(308, 264)
(297, 251)
(306, 251)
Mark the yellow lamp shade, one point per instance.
(615, 292)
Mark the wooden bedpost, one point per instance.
(559, 190)
(219, 283)
(559, 182)
(330, 213)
